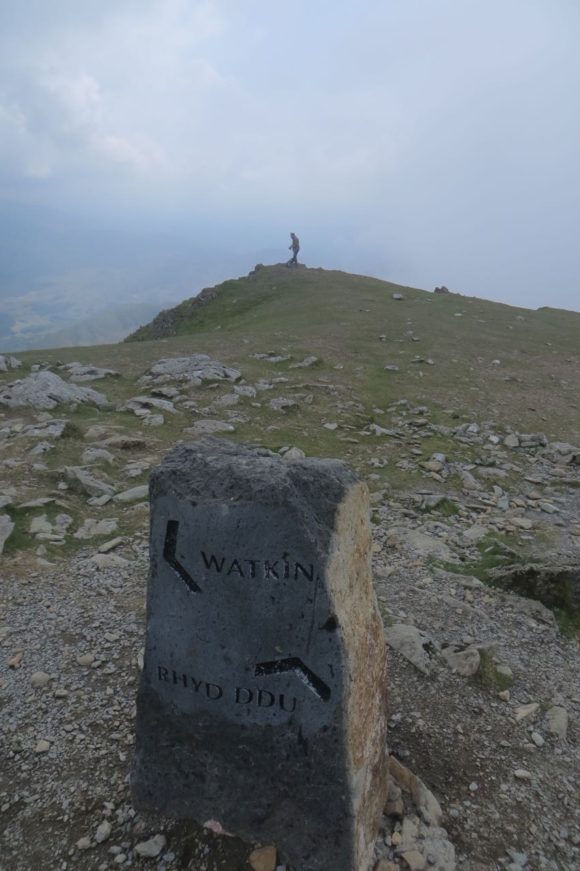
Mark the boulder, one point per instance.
(47, 390)
(196, 368)
(82, 372)
(6, 530)
(9, 363)
(81, 481)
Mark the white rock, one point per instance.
(294, 454)
(92, 528)
(39, 679)
(81, 481)
(557, 721)
(135, 494)
(97, 455)
(103, 832)
(411, 643)
(8, 362)
(47, 390)
(151, 848)
(464, 662)
(6, 530)
(524, 711)
(282, 403)
(197, 367)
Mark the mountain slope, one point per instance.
(483, 358)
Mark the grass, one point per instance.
(338, 318)
(488, 674)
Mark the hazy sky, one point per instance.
(426, 141)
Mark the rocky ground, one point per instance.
(484, 690)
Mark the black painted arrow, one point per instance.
(306, 675)
(170, 556)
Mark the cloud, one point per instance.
(438, 139)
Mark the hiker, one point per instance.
(295, 248)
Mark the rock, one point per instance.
(209, 427)
(525, 711)
(381, 431)
(263, 859)
(441, 289)
(152, 848)
(92, 528)
(522, 774)
(85, 659)
(533, 440)
(511, 441)
(6, 530)
(411, 643)
(96, 455)
(468, 481)
(108, 546)
(80, 481)
(521, 522)
(398, 296)
(277, 669)
(48, 429)
(421, 543)
(39, 679)
(7, 497)
(303, 364)
(465, 662)
(42, 746)
(103, 832)
(83, 372)
(427, 805)
(153, 420)
(385, 865)
(294, 454)
(414, 860)
(282, 403)
(475, 534)
(391, 367)
(47, 390)
(557, 721)
(135, 494)
(8, 363)
(197, 367)
(139, 404)
(40, 525)
(83, 843)
(272, 357)
(245, 390)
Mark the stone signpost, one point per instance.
(262, 701)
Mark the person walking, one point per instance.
(295, 248)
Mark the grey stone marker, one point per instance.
(262, 701)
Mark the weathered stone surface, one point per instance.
(196, 368)
(82, 482)
(7, 362)
(47, 390)
(263, 694)
(84, 372)
(6, 530)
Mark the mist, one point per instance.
(177, 143)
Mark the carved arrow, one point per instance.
(170, 556)
(306, 675)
